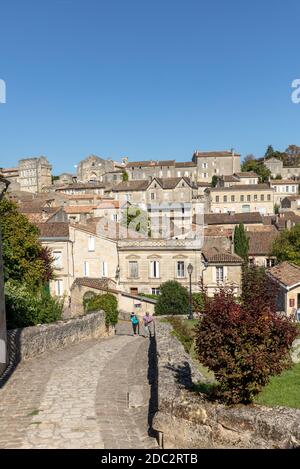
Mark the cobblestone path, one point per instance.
(91, 395)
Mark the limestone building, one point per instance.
(216, 163)
(92, 168)
(277, 169)
(34, 174)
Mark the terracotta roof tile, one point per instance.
(260, 242)
(236, 218)
(216, 256)
(286, 273)
(53, 230)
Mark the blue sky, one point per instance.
(146, 79)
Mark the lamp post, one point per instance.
(190, 271)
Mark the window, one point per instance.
(286, 188)
(220, 274)
(217, 198)
(86, 269)
(59, 287)
(182, 209)
(152, 195)
(179, 174)
(262, 197)
(270, 262)
(133, 269)
(134, 291)
(248, 198)
(293, 188)
(57, 259)
(180, 269)
(242, 198)
(255, 197)
(154, 269)
(104, 269)
(155, 291)
(269, 197)
(232, 198)
(115, 217)
(91, 243)
(292, 302)
(204, 165)
(225, 198)
(205, 175)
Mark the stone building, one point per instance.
(92, 168)
(287, 276)
(34, 174)
(260, 247)
(238, 179)
(202, 168)
(216, 163)
(241, 198)
(283, 188)
(290, 203)
(146, 264)
(277, 169)
(78, 252)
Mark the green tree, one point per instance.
(286, 246)
(241, 242)
(25, 260)
(269, 152)
(106, 302)
(173, 299)
(214, 181)
(125, 176)
(259, 168)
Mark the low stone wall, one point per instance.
(186, 419)
(33, 341)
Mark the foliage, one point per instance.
(269, 152)
(214, 181)
(244, 344)
(125, 176)
(106, 302)
(286, 246)
(25, 307)
(198, 300)
(149, 295)
(182, 332)
(276, 209)
(241, 242)
(258, 167)
(54, 178)
(289, 157)
(87, 297)
(25, 260)
(173, 299)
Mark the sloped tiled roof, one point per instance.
(286, 273)
(133, 185)
(134, 164)
(247, 174)
(214, 154)
(53, 230)
(243, 187)
(260, 242)
(216, 256)
(236, 218)
(103, 284)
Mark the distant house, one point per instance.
(287, 276)
(260, 247)
(283, 188)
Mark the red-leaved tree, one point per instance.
(245, 342)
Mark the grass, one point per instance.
(283, 390)
(34, 412)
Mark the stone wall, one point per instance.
(33, 341)
(185, 419)
(2, 317)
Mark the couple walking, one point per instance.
(148, 323)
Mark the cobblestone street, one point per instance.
(91, 395)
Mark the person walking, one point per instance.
(148, 325)
(135, 324)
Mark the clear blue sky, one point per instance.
(146, 78)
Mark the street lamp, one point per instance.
(190, 271)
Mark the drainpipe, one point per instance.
(4, 183)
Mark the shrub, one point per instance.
(198, 300)
(108, 303)
(243, 344)
(173, 299)
(183, 333)
(25, 307)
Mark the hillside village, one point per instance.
(131, 226)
